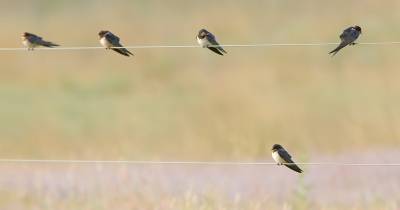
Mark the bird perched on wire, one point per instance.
(32, 41)
(348, 37)
(206, 39)
(107, 39)
(283, 158)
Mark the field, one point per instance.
(189, 104)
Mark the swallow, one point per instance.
(283, 158)
(32, 41)
(107, 39)
(348, 37)
(206, 39)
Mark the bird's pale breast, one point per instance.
(277, 157)
(29, 44)
(204, 42)
(105, 43)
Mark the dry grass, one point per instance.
(190, 104)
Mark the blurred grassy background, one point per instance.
(192, 104)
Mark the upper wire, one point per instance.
(197, 46)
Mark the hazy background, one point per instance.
(190, 104)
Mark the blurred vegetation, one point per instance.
(191, 103)
(300, 193)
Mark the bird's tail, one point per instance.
(220, 48)
(122, 51)
(334, 52)
(127, 51)
(215, 50)
(49, 44)
(294, 167)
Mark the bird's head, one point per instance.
(358, 28)
(25, 35)
(102, 33)
(276, 147)
(202, 33)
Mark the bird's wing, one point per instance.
(34, 38)
(347, 37)
(285, 156)
(114, 40)
(39, 40)
(211, 38)
(354, 34)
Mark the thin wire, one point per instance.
(185, 162)
(197, 46)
